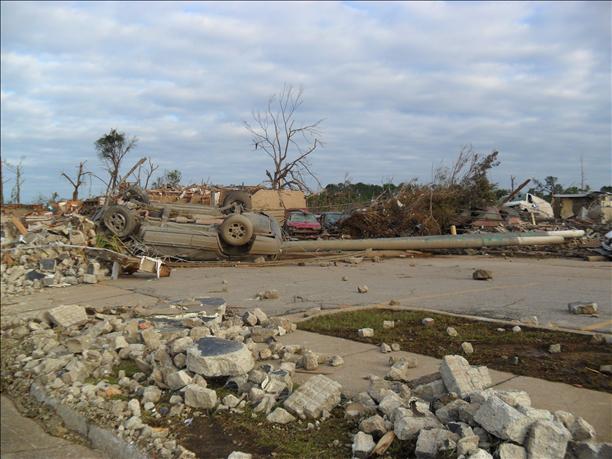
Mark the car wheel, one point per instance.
(236, 230)
(238, 198)
(119, 221)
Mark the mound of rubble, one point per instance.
(458, 415)
(126, 374)
(48, 255)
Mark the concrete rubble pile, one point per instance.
(459, 415)
(39, 258)
(130, 374)
(73, 354)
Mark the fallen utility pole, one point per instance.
(465, 241)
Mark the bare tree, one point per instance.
(287, 143)
(148, 171)
(76, 183)
(17, 169)
(112, 148)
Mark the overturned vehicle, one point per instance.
(193, 232)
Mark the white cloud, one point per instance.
(400, 85)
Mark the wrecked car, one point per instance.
(301, 224)
(528, 203)
(193, 232)
(330, 223)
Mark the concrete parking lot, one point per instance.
(521, 287)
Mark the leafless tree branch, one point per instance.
(275, 131)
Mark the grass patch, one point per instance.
(218, 434)
(578, 363)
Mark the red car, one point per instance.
(301, 224)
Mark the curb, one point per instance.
(298, 317)
(102, 439)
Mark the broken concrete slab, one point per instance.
(68, 315)
(363, 444)
(431, 443)
(581, 307)
(407, 423)
(214, 357)
(316, 395)
(547, 439)
(461, 378)
(502, 420)
(197, 396)
(511, 451)
(280, 416)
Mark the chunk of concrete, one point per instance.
(400, 371)
(407, 423)
(389, 403)
(316, 395)
(451, 411)
(461, 378)
(547, 439)
(482, 274)
(432, 442)
(511, 451)
(214, 357)
(430, 390)
(363, 444)
(68, 315)
(582, 307)
(374, 425)
(502, 420)
(468, 444)
(197, 396)
(581, 430)
(178, 379)
(365, 332)
(280, 416)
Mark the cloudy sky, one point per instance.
(401, 86)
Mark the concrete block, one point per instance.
(461, 378)
(502, 420)
(407, 425)
(363, 444)
(68, 315)
(547, 439)
(511, 451)
(316, 395)
(197, 396)
(432, 442)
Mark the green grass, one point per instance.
(525, 353)
(413, 336)
(294, 439)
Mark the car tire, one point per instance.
(241, 198)
(119, 221)
(236, 230)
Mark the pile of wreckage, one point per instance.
(59, 250)
(67, 359)
(416, 210)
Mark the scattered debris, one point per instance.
(268, 295)
(467, 348)
(580, 307)
(451, 331)
(365, 332)
(482, 274)
(428, 322)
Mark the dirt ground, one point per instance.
(525, 353)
